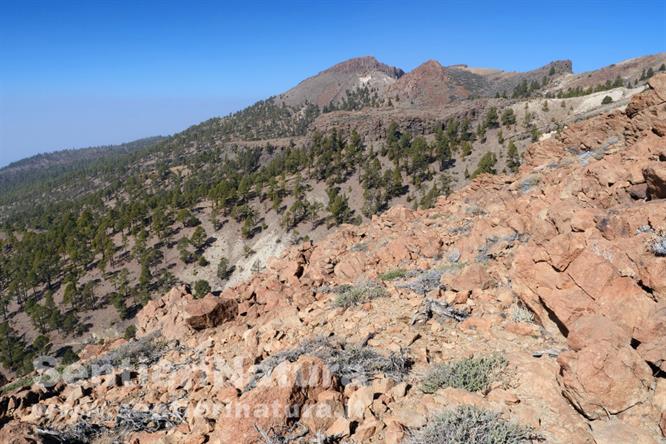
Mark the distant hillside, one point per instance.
(48, 163)
(23, 181)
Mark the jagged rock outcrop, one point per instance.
(558, 269)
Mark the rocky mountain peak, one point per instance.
(362, 65)
(429, 84)
(429, 66)
(333, 84)
(561, 66)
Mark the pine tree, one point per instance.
(224, 271)
(338, 207)
(466, 149)
(13, 350)
(513, 159)
(508, 117)
(486, 165)
(396, 188)
(491, 120)
(199, 238)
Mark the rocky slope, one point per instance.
(558, 273)
(631, 69)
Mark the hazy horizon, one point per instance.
(102, 74)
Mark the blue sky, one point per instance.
(84, 73)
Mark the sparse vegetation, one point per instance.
(350, 295)
(471, 425)
(145, 350)
(424, 281)
(658, 246)
(472, 374)
(580, 91)
(130, 332)
(346, 361)
(508, 117)
(521, 314)
(394, 274)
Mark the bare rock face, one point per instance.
(473, 277)
(604, 378)
(602, 374)
(210, 311)
(613, 431)
(593, 329)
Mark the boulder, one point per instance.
(473, 277)
(210, 311)
(165, 314)
(638, 191)
(658, 84)
(350, 267)
(358, 402)
(655, 178)
(625, 303)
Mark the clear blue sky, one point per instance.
(83, 73)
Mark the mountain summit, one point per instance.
(334, 83)
(429, 84)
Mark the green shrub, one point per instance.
(394, 274)
(130, 332)
(472, 374)
(606, 100)
(26, 381)
(471, 425)
(201, 288)
(69, 356)
(349, 295)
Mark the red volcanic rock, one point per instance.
(210, 311)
